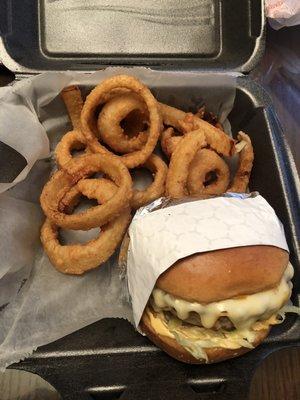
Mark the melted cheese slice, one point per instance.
(243, 312)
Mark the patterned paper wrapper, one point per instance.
(166, 231)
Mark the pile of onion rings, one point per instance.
(116, 129)
(196, 149)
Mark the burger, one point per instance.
(216, 305)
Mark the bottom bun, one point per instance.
(175, 350)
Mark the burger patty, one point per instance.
(221, 323)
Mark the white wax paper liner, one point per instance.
(50, 305)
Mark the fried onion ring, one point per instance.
(187, 122)
(79, 258)
(176, 184)
(181, 120)
(72, 98)
(217, 139)
(205, 164)
(72, 140)
(171, 116)
(97, 97)
(169, 141)
(159, 170)
(110, 117)
(61, 182)
(246, 157)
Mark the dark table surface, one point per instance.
(278, 377)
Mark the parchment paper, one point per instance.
(38, 304)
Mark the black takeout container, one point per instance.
(109, 359)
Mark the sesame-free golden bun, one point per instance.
(225, 274)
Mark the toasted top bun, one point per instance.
(175, 350)
(225, 274)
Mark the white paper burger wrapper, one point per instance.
(166, 231)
